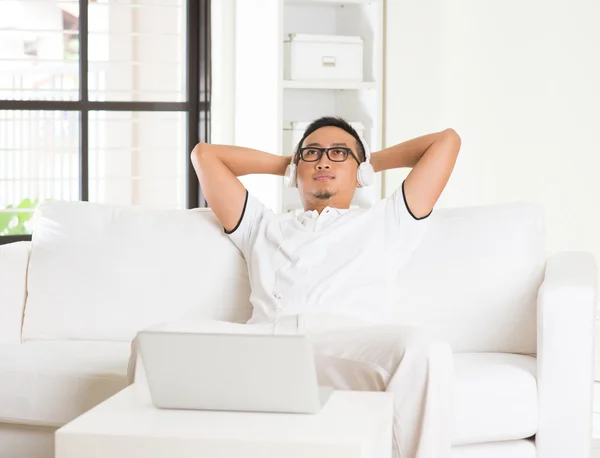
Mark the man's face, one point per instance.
(325, 181)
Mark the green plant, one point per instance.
(14, 220)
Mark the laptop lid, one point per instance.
(240, 372)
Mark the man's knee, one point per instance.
(426, 346)
(379, 351)
(429, 357)
(412, 345)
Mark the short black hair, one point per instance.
(340, 123)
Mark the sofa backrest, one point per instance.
(103, 272)
(473, 281)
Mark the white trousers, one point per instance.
(352, 356)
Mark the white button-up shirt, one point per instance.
(340, 262)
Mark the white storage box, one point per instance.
(293, 131)
(323, 58)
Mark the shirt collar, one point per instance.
(313, 214)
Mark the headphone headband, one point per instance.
(365, 147)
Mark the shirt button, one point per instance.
(277, 296)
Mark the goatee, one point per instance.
(323, 195)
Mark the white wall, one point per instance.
(519, 81)
(258, 108)
(222, 116)
(243, 106)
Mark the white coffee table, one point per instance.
(351, 424)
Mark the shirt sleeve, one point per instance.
(408, 230)
(245, 230)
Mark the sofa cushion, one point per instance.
(103, 272)
(51, 383)
(495, 399)
(474, 279)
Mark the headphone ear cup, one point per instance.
(294, 176)
(290, 176)
(365, 175)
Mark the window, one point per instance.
(101, 101)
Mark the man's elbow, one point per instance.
(452, 135)
(200, 151)
(452, 142)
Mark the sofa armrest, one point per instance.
(566, 327)
(14, 258)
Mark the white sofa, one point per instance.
(521, 324)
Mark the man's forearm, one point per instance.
(242, 161)
(405, 154)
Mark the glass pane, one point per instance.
(138, 158)
(137, 50)
(39, 50)
(39, 160)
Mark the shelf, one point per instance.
(329, 2)
(290, 84)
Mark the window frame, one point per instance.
(197, 104)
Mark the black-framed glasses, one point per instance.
(335, 154)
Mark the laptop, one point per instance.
(232, 372)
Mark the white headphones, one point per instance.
(365, 175)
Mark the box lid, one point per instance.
(309, 38)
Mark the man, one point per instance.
(330, 271)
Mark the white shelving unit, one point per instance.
(265, 102)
